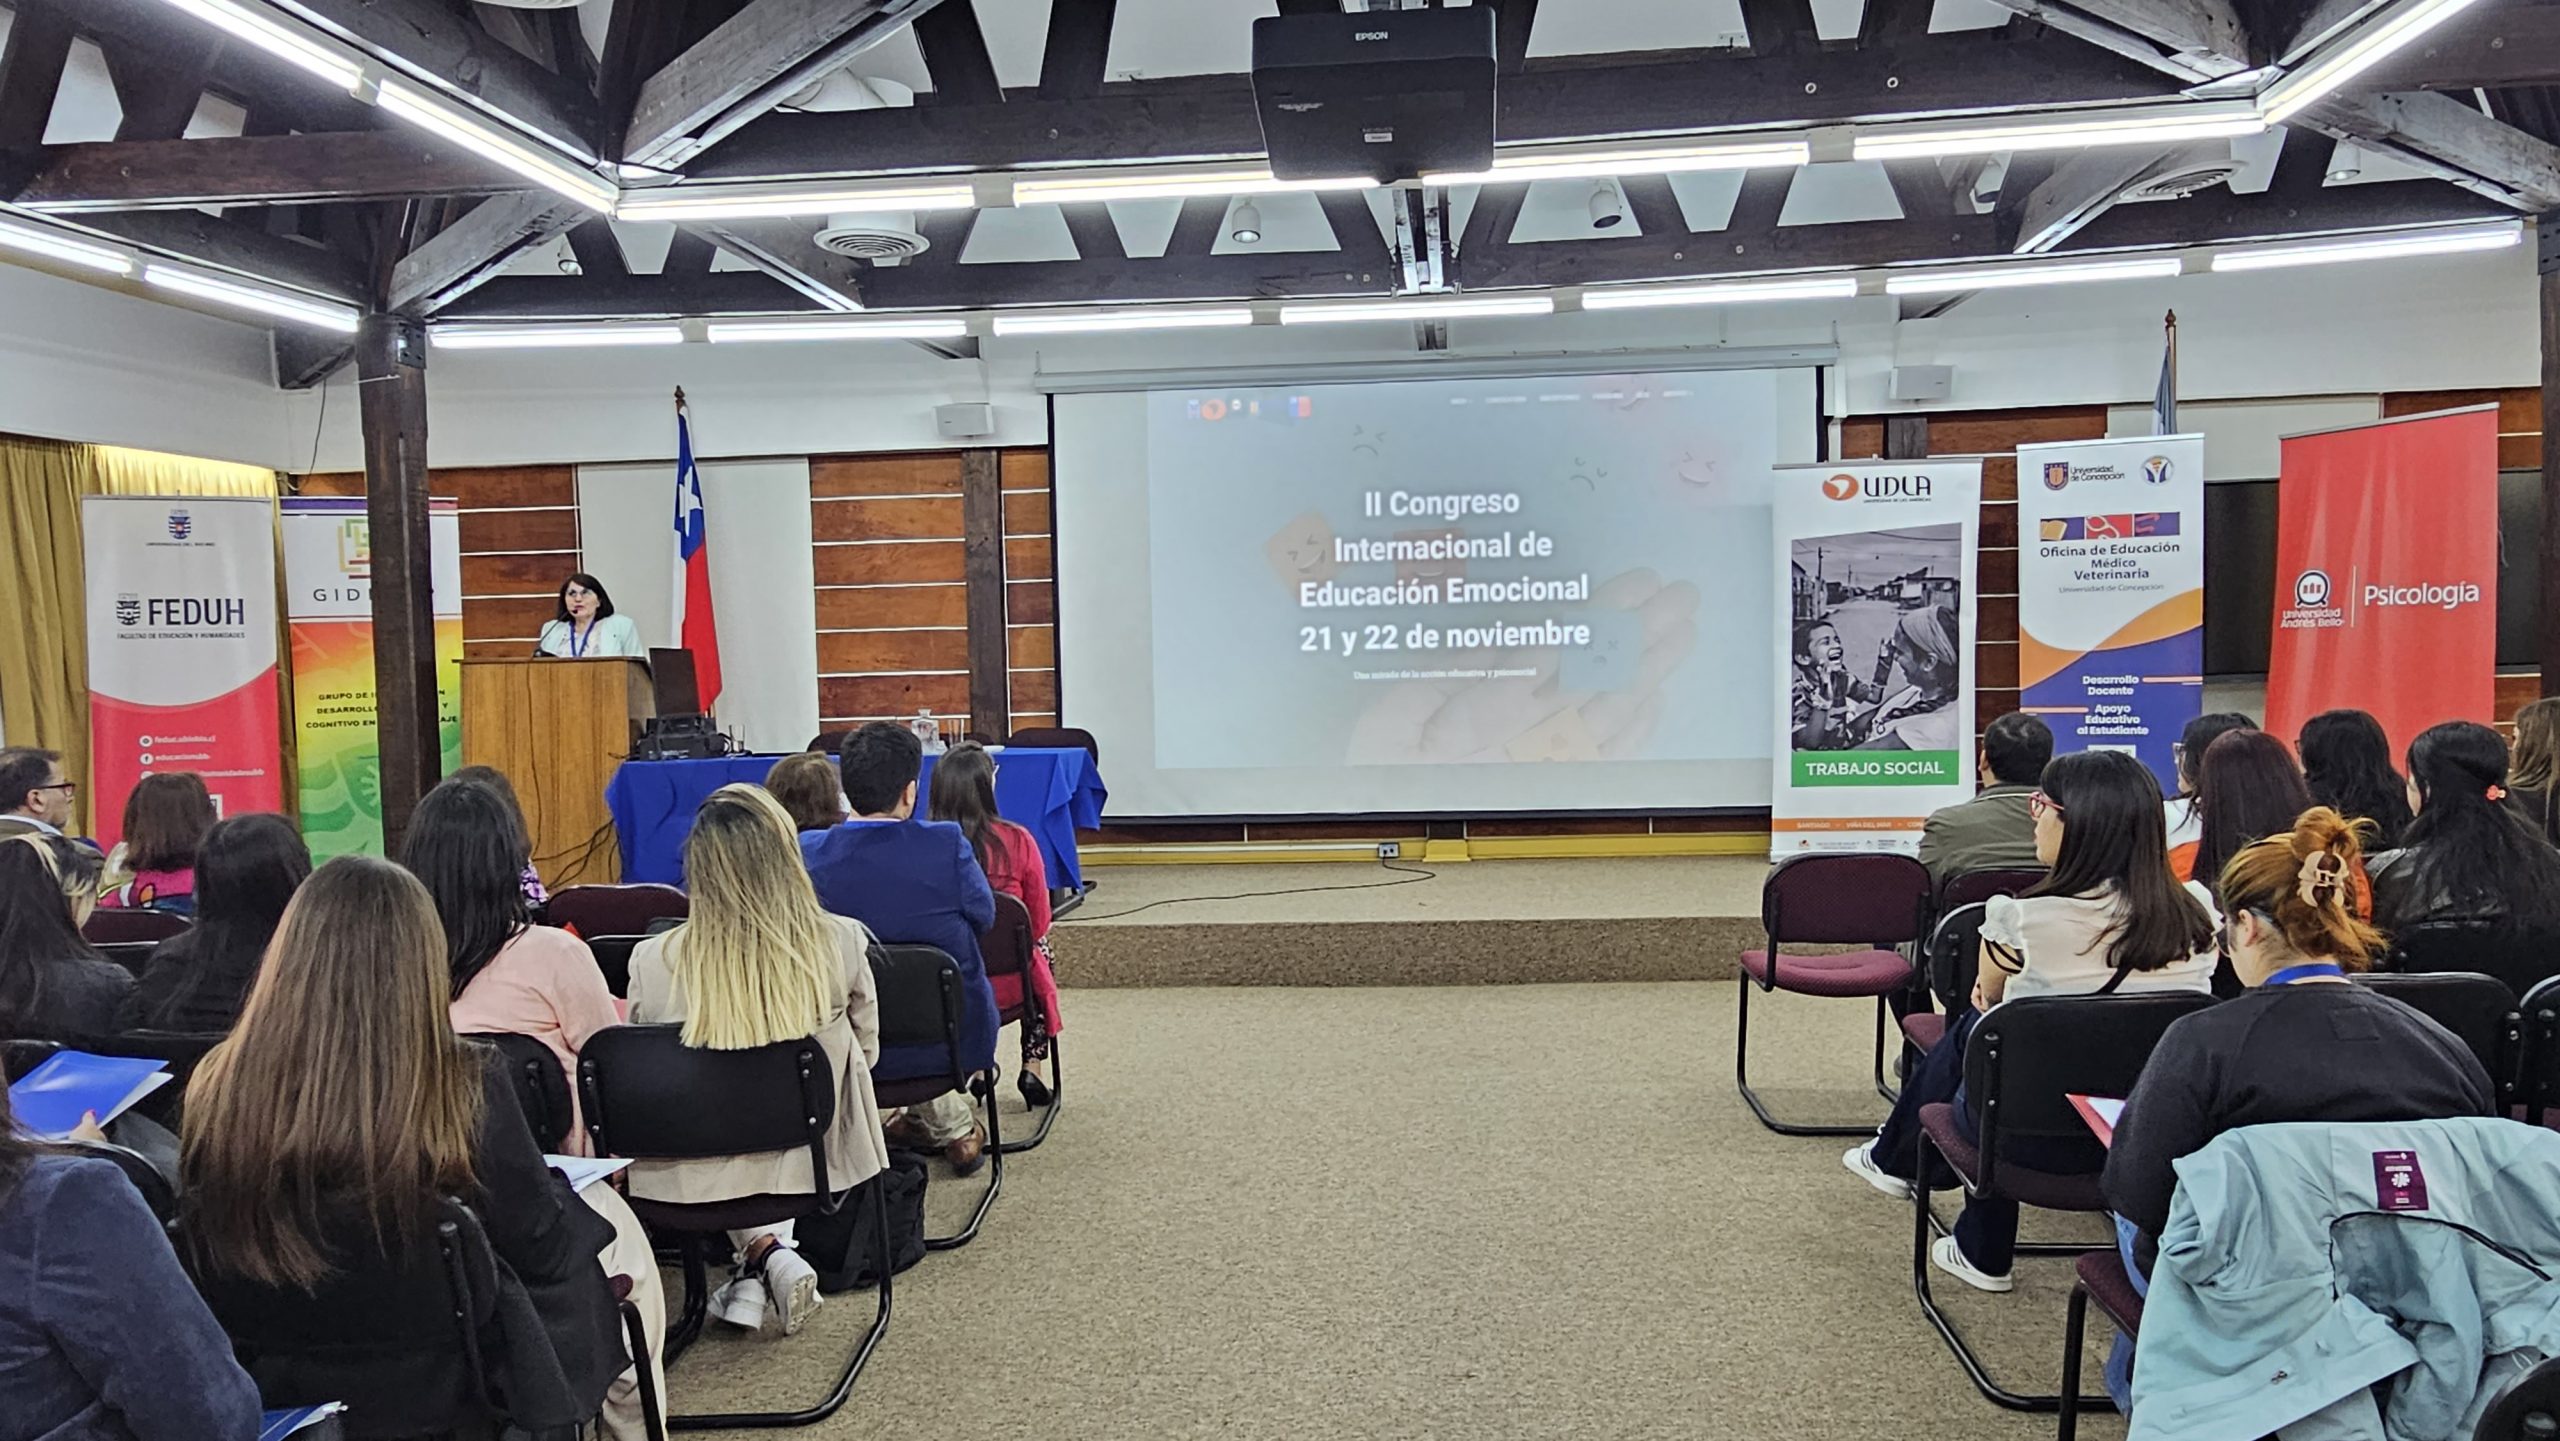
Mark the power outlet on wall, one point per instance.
(1390, 850)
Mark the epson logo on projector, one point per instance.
(1368, 34)
(2443, 597)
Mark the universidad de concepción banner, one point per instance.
(182, 649)
(2111, 593)
(2387, 574)
(328, 566)
(1875, 726)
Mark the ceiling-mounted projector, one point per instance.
(1388, 93)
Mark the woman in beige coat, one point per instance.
(758, 963)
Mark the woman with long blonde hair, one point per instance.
(757, 963)
(343, 1107)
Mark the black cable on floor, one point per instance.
(1406, 875)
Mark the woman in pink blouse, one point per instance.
(964, 792)
(509, 975)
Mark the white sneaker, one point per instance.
(740, 1302)
(792, 1285)
(1947, 1256)
(1861, 1161)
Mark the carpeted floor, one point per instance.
(1488, 1212)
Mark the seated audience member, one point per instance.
(2346, 762)
(535, 895)
(2467, 856)
(165, 819)
(53, 985)
(195, 981)
(964, 793)
(913, 882)
(1992, 831)
(101, 1334)
(2534, 774)
(342, 1106)
(2188, 751)
(2247, 788)
(35, 796)
(806, 786)
(756, 963)
(2109, 920)
(508, 974)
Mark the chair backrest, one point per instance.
(542, 1088)
(649, 1096)
(613, 958)
(111, 924)
(2525, 1409)
(2538, 1064)
(1005, 948)
(616, 910)
(2478, 1008)
(1954, 953)
(132, 955)
(181, 1051)
(1851, 898)
(828, 742)
(157, 1192)
(919, 990)
(2523, 956)
(2027, 1055)
(1973, 887)
(19, 1056)
(1058, 738)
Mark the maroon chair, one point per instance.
(594, 911)
(120, 926)
(1974, 887)
(2101, 1278)
(1006, 949)
(1875, 901)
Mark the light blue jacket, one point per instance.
(2305, 1263)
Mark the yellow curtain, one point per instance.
(44, 649)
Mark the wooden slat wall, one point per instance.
(1031, 603)
(520, 539)
(893, 606)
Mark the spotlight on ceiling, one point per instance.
(1244, 225)
(1608, 210)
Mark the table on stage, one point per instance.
(1051, 793)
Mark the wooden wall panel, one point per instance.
(934, 472)
(520, 539)
(1031, 596)
(1027, 558)
(891, 604)
(2519, 417)
(849, 700)
(891, 563)
(1031, 602)
(887, 518)
(892, 652)
(893, 607)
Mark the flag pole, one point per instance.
(2172, 323)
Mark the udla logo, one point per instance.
(2311, 588)
(1841, 487)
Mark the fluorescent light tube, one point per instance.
(494, 142)
(2006, 277)
(723, 332)
(257, 299)
(278, 37)
(1169, 184)
(1425, 309)
(1827, 287)
(2366, 46)
(1570, 163)
(2372, 247)
(55, 246)
(1095, 322)
(551, 337)
(2149, 124)
(748, 202)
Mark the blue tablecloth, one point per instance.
(1050, 793)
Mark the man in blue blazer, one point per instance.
(912, 882)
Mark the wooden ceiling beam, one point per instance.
(473, 248)
(1072, 63)
(787, 251)
(2491, 48)
(750, 64)
(2132, 29)
(253, 170)
(226, 244)
(31, 66)
(451, 46)
(542, 297)
(2213, 219)
(1675, 255)
(955, 54)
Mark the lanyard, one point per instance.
(577, 642)
(2309, 970)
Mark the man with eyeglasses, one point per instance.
(35, 798)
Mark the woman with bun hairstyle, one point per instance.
(2467, 855)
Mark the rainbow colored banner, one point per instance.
(328, 568)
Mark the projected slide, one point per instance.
(1418, 594)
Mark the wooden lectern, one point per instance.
(558, 728)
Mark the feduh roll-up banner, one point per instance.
(1876, 730)
(2387, 574)
(328, 567)
(182, 649)
(2111, 593)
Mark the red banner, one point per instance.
(2387, 574)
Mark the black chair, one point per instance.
(402, 1340)
(1057, 738)
(1007, 948)
(2538, 1065)
(181, 1051)
(828, 742)
(542, 1087)
(132, 955)
(116, 925)
(1863, 899)
(158, 1192)
(2519, 955)
(2525, 1409)
(1947, 961)
(920, 1005)
(1971, 888)
(17, 1057)
(2023, 1058)
(2097, 1276)
(649, 1096)
(2478, 1008)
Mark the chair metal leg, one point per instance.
(1751, 1098)
(2075, 1328)
(985, 1092)
(860, 1357)
(652, 1412)
(1946, 1326)
(697, 1299)
(1048, 1113)
(1890, 1093)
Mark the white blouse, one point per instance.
(611, 636)
(2063, 942)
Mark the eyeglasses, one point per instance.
(2040, 804)
(576, 593)
(73, 786)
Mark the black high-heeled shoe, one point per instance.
(1035, 1092)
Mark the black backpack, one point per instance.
(843, 1248)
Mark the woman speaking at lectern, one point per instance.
(587, 626)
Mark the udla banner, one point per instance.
(182, 649)
(2387, 574)
(2111, 593)
(328, 568)
(1877, 728)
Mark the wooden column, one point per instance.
(982, 536)
(1906, 437)
(391, 372)
(2547, 635)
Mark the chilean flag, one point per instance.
(694, 628)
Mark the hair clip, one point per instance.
(2321, 872)
(2497, 793)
